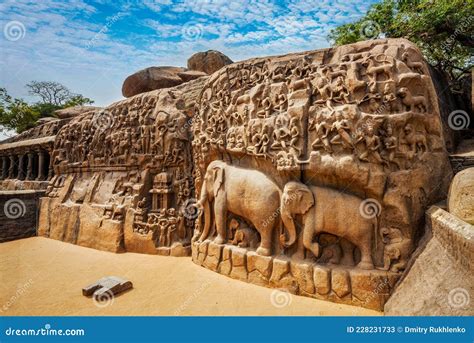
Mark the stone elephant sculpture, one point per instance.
(327, 210)
(243, 192)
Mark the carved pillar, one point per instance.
(40, 166)
(21, 172)
(29, 168)
(4, 167)
(50, 166)
(11, 170)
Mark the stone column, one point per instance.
(11, 170)
(4, 167)
(50, 167)
(29, 167)
(40, 166)
(21, 172)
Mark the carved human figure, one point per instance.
(391, 146)
(341, 126)
(372, 146)
(322, 129)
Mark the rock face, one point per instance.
(309, 171)
(153, 78)
(440, 282)
(124, 176)
(74, 111)
(461, 196)
(209, 61)
(343, 148)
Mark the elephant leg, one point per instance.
(347, 253)
(308, 235)
(299, 254)
(366, 257)
(265, 248)
(220, 214)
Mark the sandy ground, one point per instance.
(40, 276)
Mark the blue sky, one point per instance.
(92, 46)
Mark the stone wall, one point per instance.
(440, 281)
(340, 284)
(18, 214)
(324, 159)
(124, 176)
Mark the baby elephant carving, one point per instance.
(327, 210)
(396, 251)
(243, 236)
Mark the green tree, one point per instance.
(442, 29)
(17, 115)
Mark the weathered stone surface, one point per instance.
(226, 265)
(213, 257)
(440, 282)
(303, 273)
(74, 111)
(18, 212)
(45, 120)
(239, 269)
(340, 282)
(262, 264)
(178, 250)
(153, 78)
(322, 279)
(461, 196)
(208, 61)
(107, 287)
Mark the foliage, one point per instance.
(443, 30)
(17, 115)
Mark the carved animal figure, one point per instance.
(374, 70)
(247, 193)
(326, 210)
(243, 236)
(396, 251)
(412, 102)
(415, 140)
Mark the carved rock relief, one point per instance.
(329, 157)
(127, 172)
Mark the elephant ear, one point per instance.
(305, 200)
(299, 197)
(218, 180)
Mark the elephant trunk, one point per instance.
(288, 223)
(204, 203)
